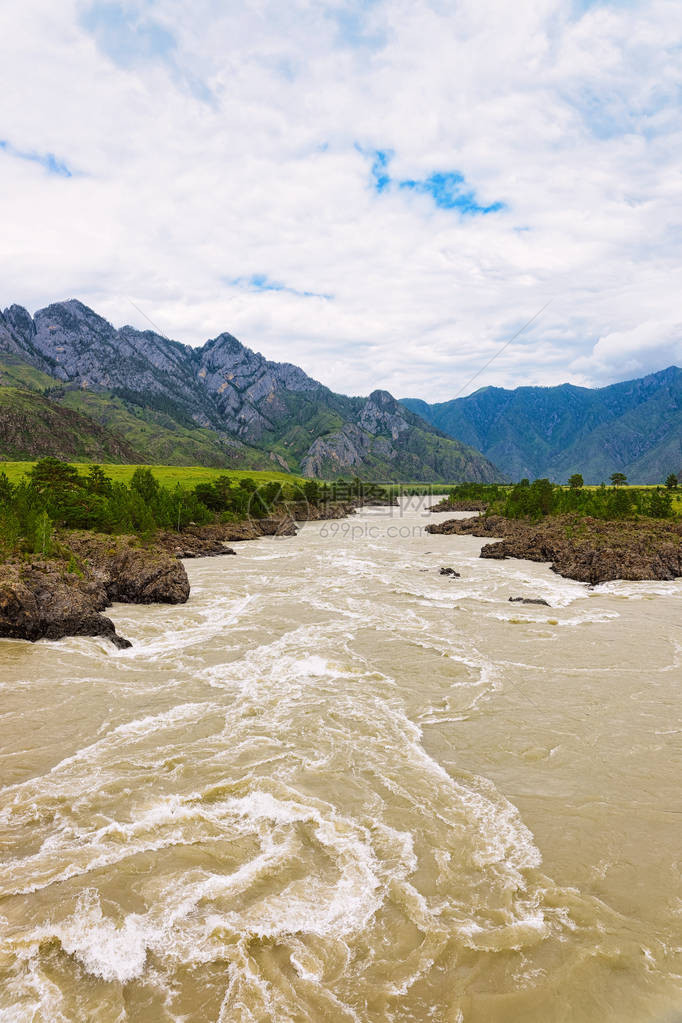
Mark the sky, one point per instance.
(380, 191)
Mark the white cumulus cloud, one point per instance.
(223, 176)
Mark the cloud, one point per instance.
(353, 23)
(623, 355)
(381, 192)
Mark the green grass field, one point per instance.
(168, 475)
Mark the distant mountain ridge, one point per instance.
(633, 427)
(222, 402)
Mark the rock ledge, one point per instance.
(589, 550)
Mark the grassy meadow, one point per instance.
(168, 475)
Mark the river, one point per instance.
(339, 786)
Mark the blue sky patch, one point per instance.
(261, 282)
(450, 192)
(448, 189)
(352, 26)
(47, 160)
(129, 39)
(380, 175)
(125, 38)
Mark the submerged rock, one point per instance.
(529, 600)
(451, 572)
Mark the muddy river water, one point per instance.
(337, 785)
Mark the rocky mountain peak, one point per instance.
(229, 388)
(381, 413)
(20, 320)
(384, 400)
(17, 332)
(226, 346)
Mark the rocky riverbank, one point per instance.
(49, 598)
(445, 505)
(589, 550)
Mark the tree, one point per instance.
(542, 496)
(619, 504)
(50, 474)
(145, 484)
(660, 504)
(6, 489)
(223, 487)
(576, 482)
(618, 479)
(97, 481)
(265, 499)
(672, 481)
(208, 495)
(42, 543)
(311, 490)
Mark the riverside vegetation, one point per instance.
(71, 543)
(590, 534)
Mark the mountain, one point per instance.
(220, 404)
(633, 427)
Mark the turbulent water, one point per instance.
(337, 785)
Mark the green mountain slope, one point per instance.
(633, 427)
(162, 439)
(39, 415)
(32, 426)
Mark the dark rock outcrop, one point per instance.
(301, 511)
(450, 572)
(42, 601)
(445, 505)
(589, 550)
(45, 600)
(529, 600)
(129, 573)
(379, 502)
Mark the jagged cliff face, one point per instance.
(227, 387)
(17, 331)
(247, 389)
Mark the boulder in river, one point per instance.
(529, 600)
(451, 572)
